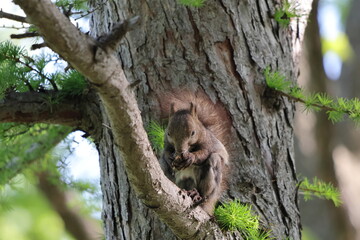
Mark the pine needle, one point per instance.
(319, 189)
(234, 216)
(156, 134)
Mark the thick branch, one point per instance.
(12, 17)
(34, 107)
(104, 70)
(77, 225)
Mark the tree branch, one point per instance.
(24, 35)
(38, 46)
(112, 40)
(105, 72)
(12, 17)
(77, 225)
(35, 107)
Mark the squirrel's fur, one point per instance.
(195, 155)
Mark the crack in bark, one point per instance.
(251, 60)
(297, 29)
(259, 209)
(243, 142)
(116, 191)
(259, 12)
(197, 35)
(292, 165)
(287, 120)
(284, 214)
(226, 53)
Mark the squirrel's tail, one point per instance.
(213, 116)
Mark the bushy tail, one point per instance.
(213, 115)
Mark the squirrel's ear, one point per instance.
(193, 109)
(172, 109)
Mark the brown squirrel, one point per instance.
(194, 155)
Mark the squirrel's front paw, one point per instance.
(195, 196)
(183, 161)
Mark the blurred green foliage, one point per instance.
(307, 234)
(340, 45)
(29, 215)
(22, 145)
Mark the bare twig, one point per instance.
(92, 10)
(12, 17)
(38, 46)
(24, 35)
(111, 41)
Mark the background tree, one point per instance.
(221, 48)
(317, 136)
(346, 155)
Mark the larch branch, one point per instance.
(35, 107)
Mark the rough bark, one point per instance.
(221, 48)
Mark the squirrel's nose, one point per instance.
(179, 154)
(182, 154)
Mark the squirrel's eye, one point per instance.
(192, 133)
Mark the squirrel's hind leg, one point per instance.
(210, 181)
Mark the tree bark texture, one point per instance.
(221, 48)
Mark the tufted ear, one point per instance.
(193, 110)
(172, 109)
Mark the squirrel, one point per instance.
(194, 156)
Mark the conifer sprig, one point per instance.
(284, 14)
(336, 109)
(234, 216)
(319, 189)
(20, 72)
(156, 134)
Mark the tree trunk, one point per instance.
(221, 48)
